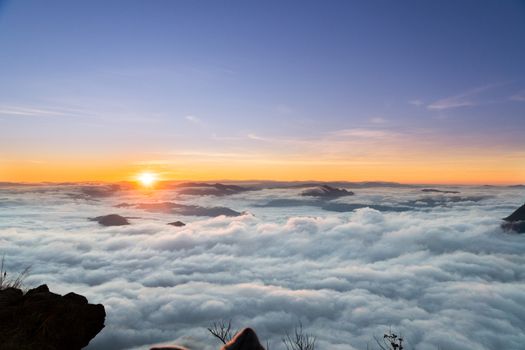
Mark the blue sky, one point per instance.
(94, 77)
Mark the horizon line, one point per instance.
(494, 184)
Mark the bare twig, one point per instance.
(299, 340)
(390, 341)
(379, 343)
(222, 331)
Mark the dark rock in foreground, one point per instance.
(47, 321)
(244, 340)
(326, 191)
(177, 223)
(515, 221)
(111, 220)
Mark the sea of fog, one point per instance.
(435, 267)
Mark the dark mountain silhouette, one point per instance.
(17, 184)
(325, 191)
(94, 192)
(440, 200)
(177, 223)
(438, 191)
(515, 221)
(518, 215)
(181, 209)
(206, 189)
(516, 186)
(328, 205)
(372, 184)
(348, 207)
(111, 220)
(305, 184)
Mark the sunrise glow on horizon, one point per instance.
(387, 173)
(147, 178)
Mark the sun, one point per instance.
(147, 179)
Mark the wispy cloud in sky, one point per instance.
(364, 133)
(207, 155)
(31, 111)
(465, 99)
(259, 138)
(519, 96)
(346, 144)
(194, 120)
(416, 102)
(378, 120)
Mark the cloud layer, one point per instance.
(444, 275)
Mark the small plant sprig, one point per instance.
(7, 282)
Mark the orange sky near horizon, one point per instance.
(345, 155)
(434, 170)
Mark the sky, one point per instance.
(411, 91)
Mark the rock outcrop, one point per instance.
(43, 320)
(515, 221)
(177, 223)
(244, 340)
(325, 191)
(111, 220)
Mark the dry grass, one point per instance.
(6, 281)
